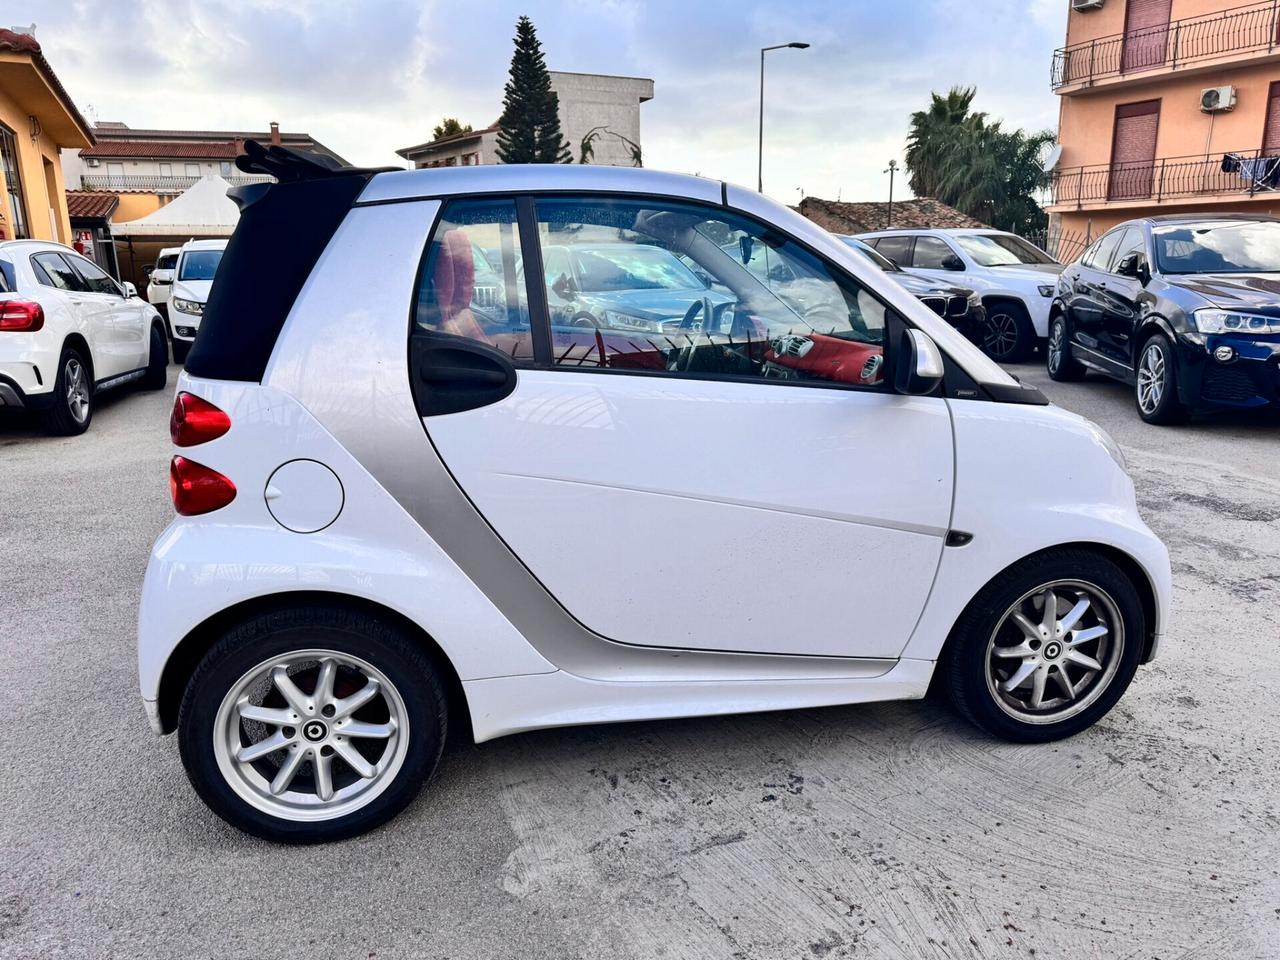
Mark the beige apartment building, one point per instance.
(1167, 106)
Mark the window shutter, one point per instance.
(1271, 135)
(1146, 34)
(1133, 150)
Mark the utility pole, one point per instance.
(892, 169)
(760, 155)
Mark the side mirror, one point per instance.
(129, 290)
(1133, 266)
(952, 262)
(918, 366)
(563, 287)
(745, 246)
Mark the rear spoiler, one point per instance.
(289, 165)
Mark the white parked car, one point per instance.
(394, 516)
(192, 280)
(160, 280)
(1016, 279)
(67, 331)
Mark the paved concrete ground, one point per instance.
(886, 831)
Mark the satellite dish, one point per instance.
(1052, 158)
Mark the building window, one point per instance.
(1271, 134)
(115, 169)
(13, 182)
(1133, 150)
(225, 168)
(193, 169)
(166, 169)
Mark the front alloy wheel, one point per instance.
(1047, 648)
(1156, 384)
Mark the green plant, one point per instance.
(529, 128)
(449, 127)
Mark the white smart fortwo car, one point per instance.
(408, 499)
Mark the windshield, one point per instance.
(1224, 246)
(872, 254)
(167, 262)
(1000, 250)
(200, 264)
(631, 267)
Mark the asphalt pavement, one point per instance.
(891, 831)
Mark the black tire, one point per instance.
(1058, 360)
(66, 417)
(1168, 409)
(157, 375)
(381, 643)
(1006, 334)
(180, 350)
(965, 658)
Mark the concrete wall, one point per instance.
(590, 100)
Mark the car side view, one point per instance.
(1015, 279)
(192, 281)
(1184, 308)
(394, 518)
(68, 331)
(160, 278)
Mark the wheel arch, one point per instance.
(1136, 573)
(1147, 329)
(191, 649)
(77, 340)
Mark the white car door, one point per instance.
(52, 268)
(929, 259)
(128, 330)
(740, 478)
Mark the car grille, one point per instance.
(485, 297)
(1222, 383)
(957, 306)
(937, 304)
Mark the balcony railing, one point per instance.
(1246, 29)
(1242, 174)
(146, 184)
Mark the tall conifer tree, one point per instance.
(529, 128)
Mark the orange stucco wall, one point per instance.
(1087, 120)
(135, 205)
(41, 175)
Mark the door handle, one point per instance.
(440, 373)
(455, 373)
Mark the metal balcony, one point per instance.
(1244, 173)
(1248, 29)
(156, 184)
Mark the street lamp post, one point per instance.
(893, 168)
(760, 157)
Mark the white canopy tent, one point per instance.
(203, 210)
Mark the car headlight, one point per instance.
(1228, 321)
(188, 306)
(1046, 289)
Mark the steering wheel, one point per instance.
(703, 306)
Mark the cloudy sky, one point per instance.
(367, 77)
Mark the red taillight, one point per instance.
(196, 489)
(196, 421)
(23, 315)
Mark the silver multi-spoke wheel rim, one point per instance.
(1055, 347)
(77, 389)
(1151, 373)
(1000, 334)
(311, 735)
(1055, 651)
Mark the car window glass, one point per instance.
(1130, 242)
(897, 249)
(773, 310)
(95, 278)
(471, 285)
(53, 271)
(1105, 248)
(1000, 250)
(167, 262)
(1219, 246)
(930, 252)
(199, 264)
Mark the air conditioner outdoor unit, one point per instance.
(91, 162)
(1218, 99)
(1087, 4)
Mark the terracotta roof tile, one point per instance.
(14, 42)
(227, 150)
(89, 205)
(922, 213)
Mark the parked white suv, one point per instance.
(397, 512)
(67, 330)
(160, 279)
(1016, 280)
(192, 281)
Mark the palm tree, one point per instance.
(932, 134)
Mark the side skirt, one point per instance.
(119, 379)
(506, 705)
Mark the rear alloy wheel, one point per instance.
(157, 374)
(1156, 385)
(1062, 366)
(1006, 335)
(1046, 650)
(312, 725)
(72, 407)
